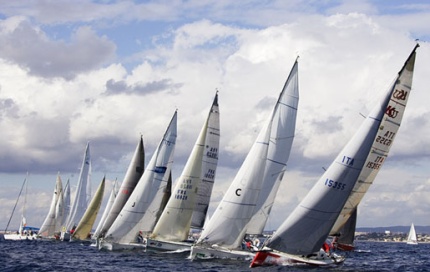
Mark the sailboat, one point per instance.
(82, 196)
(132, 177)
(52, 224)
(246, 205)
(195, 183)
(124, 231)
(412, 236)
(344, 240)
(302, 235)
(83, 229)
(24, 232)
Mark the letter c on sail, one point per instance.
(238, 191)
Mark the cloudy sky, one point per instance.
(108, 71)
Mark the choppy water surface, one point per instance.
(63, 256)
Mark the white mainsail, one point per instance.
(66, 205)
(82, 196)
(175, 221)
(251, 193)
(132, 177)
(209, 165)
(85, 225)
(106, 211)
(307, 227)
(53, 219)
(125, 228)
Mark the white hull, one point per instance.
(152, 244)
(111, 246)
(19, 237)
(263, 258)
(199, 252)
(412, 243)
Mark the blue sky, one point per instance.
(108, 71)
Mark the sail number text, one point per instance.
(210, 174)
(376, 164)
(212, 153)
(181, 193)
(334, 184)
(387, 139)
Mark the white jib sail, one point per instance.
(175, 221)
(249, 195)
(80, 202)
(48, 227)
(125, 228)
(307, 227)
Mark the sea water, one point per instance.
(64, 256)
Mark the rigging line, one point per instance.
(16, 203)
